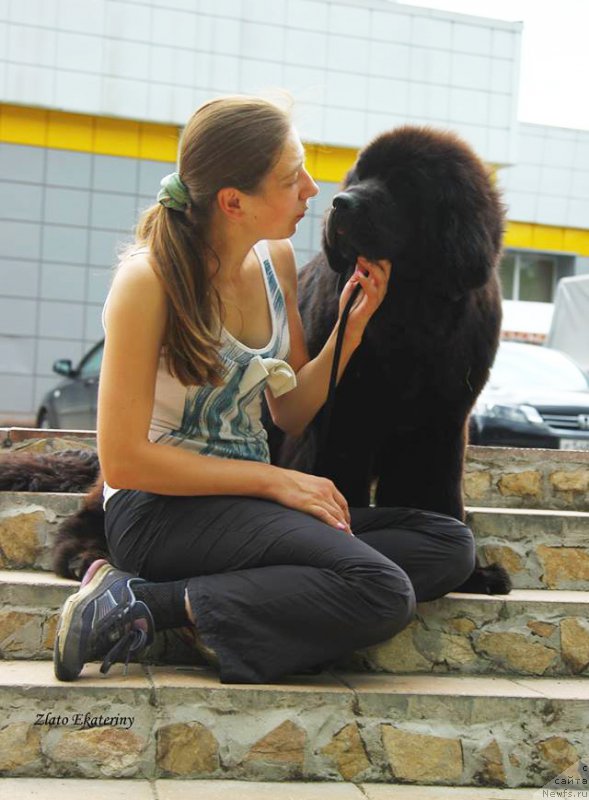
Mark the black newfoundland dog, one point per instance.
(421, 198)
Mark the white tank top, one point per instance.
(226, 420)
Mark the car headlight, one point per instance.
(521, 413)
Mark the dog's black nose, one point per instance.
(343, 201)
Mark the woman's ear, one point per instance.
(229, 201)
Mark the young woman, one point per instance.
(203, 531)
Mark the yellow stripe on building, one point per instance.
(88, 134)
(532, 236)
(120, 137)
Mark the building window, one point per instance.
(528, 276)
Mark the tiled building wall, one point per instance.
(355, 68)
(63, 217)
(549, 184)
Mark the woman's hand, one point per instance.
(313, 495)
(373, 278)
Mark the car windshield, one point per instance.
(526, 366)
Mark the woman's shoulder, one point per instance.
(283, 258)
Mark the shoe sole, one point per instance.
(87, 590)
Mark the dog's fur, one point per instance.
(422, 199)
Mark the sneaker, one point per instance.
(103, 620)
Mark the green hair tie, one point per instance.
(173, 193)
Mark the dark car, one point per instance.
(535, 397)
(72, 403)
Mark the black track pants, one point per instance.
(275, 591)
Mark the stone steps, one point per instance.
(495, 698)
(529, 632)
(180, 722)
(168, 789)
(499, 477)
(540, 549)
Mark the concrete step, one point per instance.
(163, 722)
(539, 549)
(494, 476)
(169, 789)
(529, 632)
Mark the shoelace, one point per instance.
(131, 642)
(132, 638)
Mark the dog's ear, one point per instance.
(470, 220)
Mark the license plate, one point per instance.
(574, 444)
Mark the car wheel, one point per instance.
(43, 419)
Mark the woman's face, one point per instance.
(281, 201)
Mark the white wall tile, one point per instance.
(173, 104)
(521, 206)
(222, 8)
(389, 60)
(35, 12)
(430, 66)
(125, 98)
(582, 153)
(473, 72)
(224, 73)
(226, 36)
(204, 33)
(262, 42)
(349, 20)
(342, 53)
(391, 26)
(559, 152)
(578, 213)
(580, 185)
(78, 51)
(34, 85)
(551, 210)
(388, 95)
(176, 28)
(377, 123)
(555, 180)
(475, 135)
(190, 68)
(472, 38)
(418, 100)
(176, 5)
(468, 105)
(125, 21)
(307, 14)
(502, 76)
(306, 83)
(126, 59)
(504, 44)
(344, 127)
(438, 103)
(76, 91)
(499, 146)
(525, 178)
(257, 76)
(306, 48)
(271, 11)
(33, 46)
(309, 118)
(530, 149)
(86, 17)
(347, 90)
(3, 71)
(500, 109)
(431, 32)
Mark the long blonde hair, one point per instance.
(230, 141)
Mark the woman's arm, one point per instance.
(135, 321)
(293, 411)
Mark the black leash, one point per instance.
(329, 403)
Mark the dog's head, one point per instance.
(422, 199)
